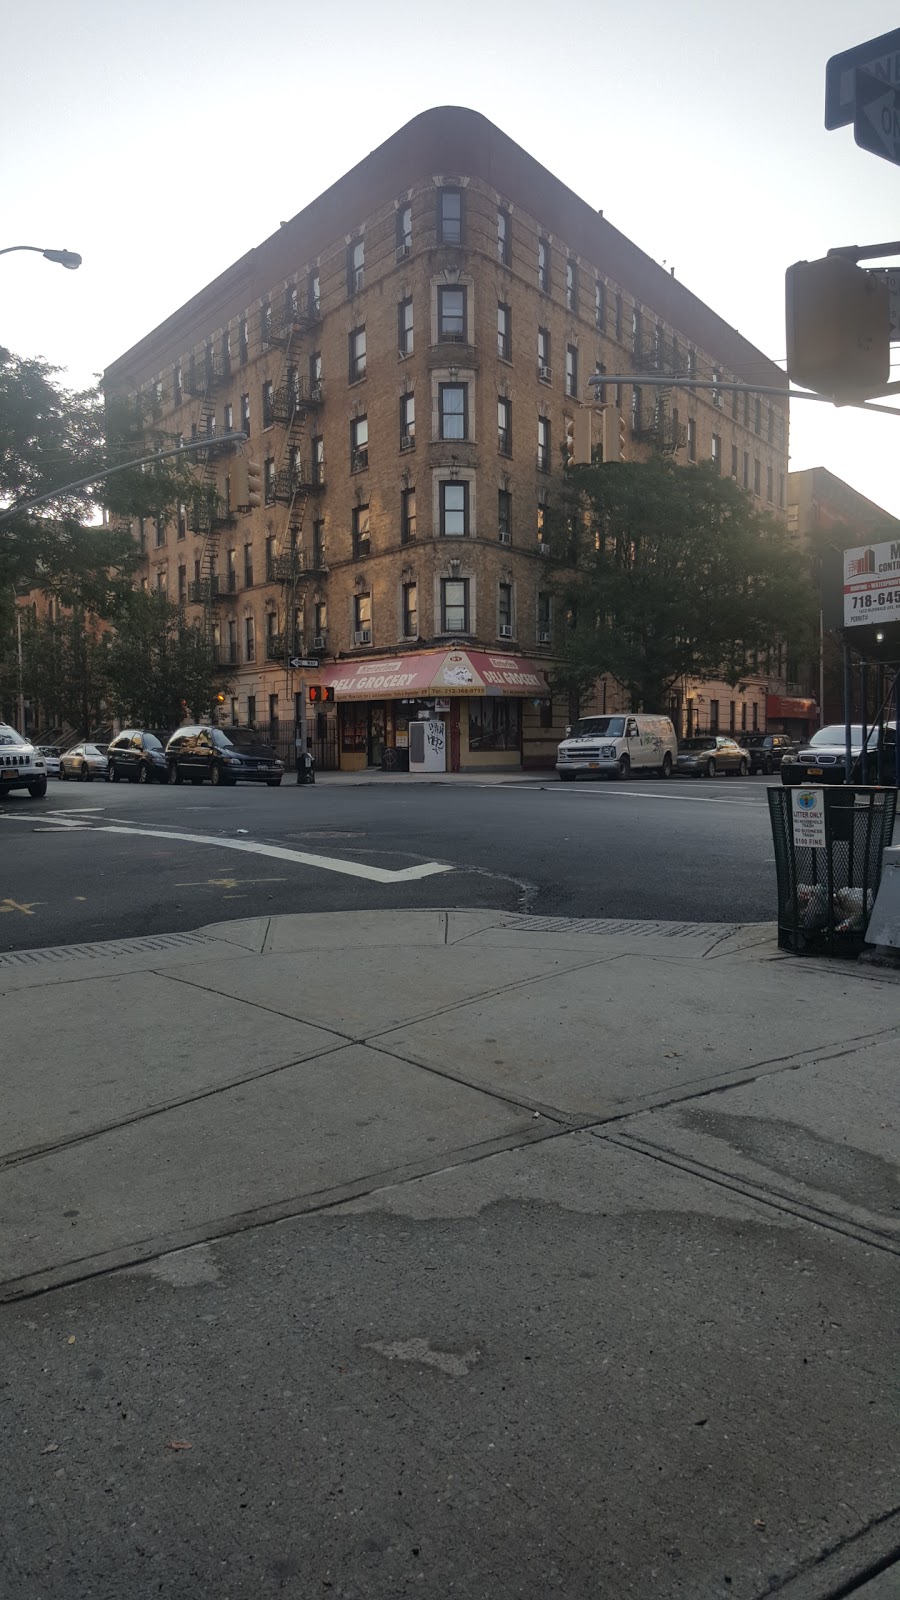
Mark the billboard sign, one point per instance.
(872, 584)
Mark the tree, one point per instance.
(670, 573)
(156, 664)
(64, 669)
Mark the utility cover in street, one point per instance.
(880, 58)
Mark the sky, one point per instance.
(162, 140)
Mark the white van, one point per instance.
(618, 745)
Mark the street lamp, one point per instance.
(63, 258)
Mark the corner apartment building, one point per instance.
(404, 355)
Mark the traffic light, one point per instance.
(247, 484)
(320, 693)
(614, 434)
(578, 438)
(838, 328)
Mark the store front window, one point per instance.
(494, 724)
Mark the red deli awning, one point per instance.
(781, 705)
(438, 674)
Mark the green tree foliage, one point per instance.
(666, 573)
(64, 669)
(155, 661)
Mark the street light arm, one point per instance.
(63, 258)
(670, 380)
(109, 472)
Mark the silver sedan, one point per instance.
(710, 754)
(84, 761)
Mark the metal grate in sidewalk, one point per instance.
(618, 925)
(56, 955)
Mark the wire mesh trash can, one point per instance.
(828, 851)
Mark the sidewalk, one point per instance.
(448, 1254)
(377, 775)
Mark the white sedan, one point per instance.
(84, 762)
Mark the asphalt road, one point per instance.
(100, 862)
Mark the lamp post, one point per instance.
(63, 258)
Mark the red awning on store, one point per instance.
(436, 673)
(780, 705)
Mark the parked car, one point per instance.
(84, 761)
(21, 766)
(223, 755)
(50, 754)
(709, 754)
(822, 760)
(618, 746)
(139, 755)
(768, 750)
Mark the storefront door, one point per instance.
(377, 734)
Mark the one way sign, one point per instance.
(880, 58)
(876, 117)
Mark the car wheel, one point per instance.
(38, 790)
(744, 769)
(62, 773)
(710, 768)
(174, 776)
(216, 775)
(84, 775)
(273, 783)
(665, 770)
(143, 773)
(624, 767)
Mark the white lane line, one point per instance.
(349, 869)
(640, 794)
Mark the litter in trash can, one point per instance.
(828, 852)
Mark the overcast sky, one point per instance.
(163, 140)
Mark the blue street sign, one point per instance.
(876, 119)
(880, 58)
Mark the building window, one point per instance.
(734, 460)
(757, 476)
(717, 452)
(362, 619)
(743, 716)
(543, 444)
(251, 708)
(268, 404)
(454, 605)
(405, 327)
(541, 523)
(315, 369)
(781, 491)
(410, 611)
(504, 426)
(228, 418)
(571, 284)
(361, 544)
(770, 424)
(504, 237)
(453, 400)
(182, 522)
(543, 266)
(407, 421)
(494, 724)
(636, 404)
(571, 370)
(770, 485)
(243, 339)
(404, 229)
(755, 717)
(320, 618)
(177, 385)
(451, 314)
(357, 347)
(757, 415)
(270, 558)
(454, 504)
(600, 304)
(636, 332)
(545, 371)
(182, 585)
(245, 414)
(249, 639)
(504, 516)
(407, 516)
(746, 475)
(269, 480)
(356, 262)
(504, 332)
(619, 318)
(450, 216)
(543, 616)
(692, 439)
(211, 425)
(313, 295)
(713, 716)
(692, 363)
(318, 458)
(230, 572)
(248, 566)
(265, 325)
(160, 531)
(504, 610)
(318, 544)
(359, 444)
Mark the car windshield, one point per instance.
(49, 750)
(96, 749)
(241, 739)
(151, 742)
(9, 736)
(756, 739)
(834, 735)
(614, 727)
(696, 744)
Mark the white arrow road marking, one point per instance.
(349, 869)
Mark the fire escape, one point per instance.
(210, 514)
(656, 354)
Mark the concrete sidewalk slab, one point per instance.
(126, 1044)
(562, 1370)
(826, 1134)
(299, 1131)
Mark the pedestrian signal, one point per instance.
(320, 693)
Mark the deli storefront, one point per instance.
(435, 710)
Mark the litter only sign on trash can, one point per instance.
(808, 817)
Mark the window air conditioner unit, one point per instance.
(543, 638)
(362, 636)
(505, 630)
(545, 549)
(505, 536)
(544, 373)
(401, 252)
(407, 441)
(319, 642)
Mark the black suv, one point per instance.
(223, 755)
(768, 750)
(139, 755)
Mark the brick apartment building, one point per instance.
(404, 355)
